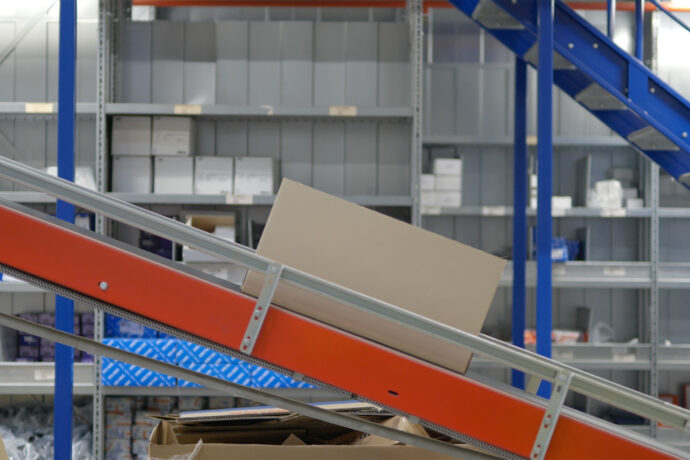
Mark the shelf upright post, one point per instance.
(639, 29)
(64, 308)
(415, 15)
(610, 18)
(519, 213)
(544, 181)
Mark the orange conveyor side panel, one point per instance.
(156, 291)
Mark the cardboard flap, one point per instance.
(293, 440)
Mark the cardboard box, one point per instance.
(448, 183)
(634, 203)
(132, 174)
(173, 175)
(213, 175)
(275, 433)
(83, 176)
(220, 224)
(371, 253)
(116, 373)
(254, 176)
(428, 182)
(561, 202)
(448, 199)
(427, 198)
(172, 136)
(131, 136)
(448, 166)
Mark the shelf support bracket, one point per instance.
(263, 303)
(553, 410)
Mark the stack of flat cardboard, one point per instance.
(262, 433)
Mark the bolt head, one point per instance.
(595, 45)
(652, 90)
(571, 45)
(103, 285)
(685, 134)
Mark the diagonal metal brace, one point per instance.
(553, 410)
(263, 303)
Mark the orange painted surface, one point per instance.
(294, 342)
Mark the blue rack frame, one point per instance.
(64, 308)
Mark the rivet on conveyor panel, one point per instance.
(559, 62)
(103, 285)
(492, 16)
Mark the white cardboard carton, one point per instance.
(131, 136)
(448, 166)
(561, 202)
(254, 176)
(172, 136)
(213, 175)
(428, 182)
(428, 198)
(173, 175)
(448, 199)
(132, 174)
(446, 182)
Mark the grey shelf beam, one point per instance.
(39, 378)
(606, 141)
(18, 287)
(507, 211)
(42, 108)
(634, 275)
(233, 200)
(257, 111)
(678, 213)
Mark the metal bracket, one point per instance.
(553, 410)
(273, 275)
(533, 384)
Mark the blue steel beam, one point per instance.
(610, 18)
(519, 213)
(64, 308)
(544, 181)
(639, 29)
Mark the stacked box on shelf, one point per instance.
(117, 373)
(118, 428)
(28, 346)
(131, 151)
(443, 188)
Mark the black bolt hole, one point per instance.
(394, 393)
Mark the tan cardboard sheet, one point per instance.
(384, 258)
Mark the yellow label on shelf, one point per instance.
(39, 107)
(342, 111)
(613, 213)
(558, 270)
(494, 210)
(239, 199)
(614, 271)
(430, 210)
(44, 374)
(557, 212)
(187, 109)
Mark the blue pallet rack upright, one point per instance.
(64, 308)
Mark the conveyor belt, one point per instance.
(208, 311)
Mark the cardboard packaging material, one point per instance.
(448, 166)
(132, 174)
(263, 433)
(213, 175)
(255, 176)
(131, 136)
(220, 224)
(448, 199)
(449, 183)
(428, 182)
(172, 136)
(428, 198)
(381, 257)
(173, 175)
(561, 202)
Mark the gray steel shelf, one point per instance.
(507, 211)
(39, 378)
(678, 213)
(589, 274)
(42, 108)
(256, 111)
(234, 200)
(18, 286)
(612, 141)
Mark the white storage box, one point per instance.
(173, 175)
(448, 166)
(254, 176)
(561, 202)
(172, 136)
(132, 174)
(213, 175)
(448, 199)
(428, 198)
(447, 183)
(634, 203)
(131, 136)
(428, 182)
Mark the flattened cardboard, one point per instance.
(381, 257)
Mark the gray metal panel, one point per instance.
(30, 142)
(296, 151)
(168, 67)
(264, 63)
(496, 177)
(360, 158)
(30, 66)
(205, 136)
(440, 103)
(264, 139)
(471, 175)
(673, 235)
(231, 138)
(394, 159)
(85, 142)
(7, 67)
(443, 225)
(134, 65)
(329, 157)
(361, 65)
(297, 69)
(7, 131)
(87, 43)
(469, 100)
(232, 67)
(394, 65)
(329, 63)
(53, 32)
(200, 63)
(496, 117)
